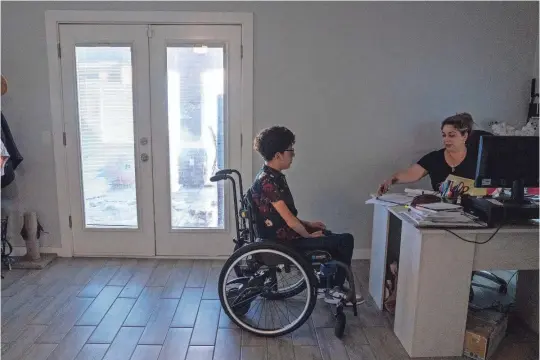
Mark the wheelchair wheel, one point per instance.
(283, 289)
(246, 267)
(237, 268)
(248, 300)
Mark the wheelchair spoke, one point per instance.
(289, 285)
(294, 307)
(265, 307)
(281, 311)
(260, 316)
(253, 312)
(247, 300)
(273, 305)
(272, 317)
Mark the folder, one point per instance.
(473, 191)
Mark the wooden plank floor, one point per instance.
(145, 309)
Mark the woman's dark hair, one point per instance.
(462, 122)
(273, 140)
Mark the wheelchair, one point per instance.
(268, 288)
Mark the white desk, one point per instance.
(435, 270)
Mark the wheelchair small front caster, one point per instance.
(339, 328)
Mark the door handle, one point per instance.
(144, 157)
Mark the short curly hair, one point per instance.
(273, 140)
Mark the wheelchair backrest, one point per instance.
(253, 215)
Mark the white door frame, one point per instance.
(53, 19)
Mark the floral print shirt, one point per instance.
(271, 186)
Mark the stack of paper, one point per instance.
(440, 207)
(441, 215)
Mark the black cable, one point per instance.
(495, 305)
(508, 283)
(492, 235)
(477, 242)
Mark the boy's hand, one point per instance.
(317, 225)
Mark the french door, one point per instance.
(151, 111)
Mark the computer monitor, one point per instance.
(508, 162)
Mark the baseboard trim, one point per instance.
(21, 250)
(358, 254)
(361, 254)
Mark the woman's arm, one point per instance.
(409, 175)
(292, 221)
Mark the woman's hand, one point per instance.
(411, 174)
(316, 234)
(383, 188)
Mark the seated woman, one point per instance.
(455, 158)
(278, 214)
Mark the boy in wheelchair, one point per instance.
(277, 214)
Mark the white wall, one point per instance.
(535, 65)
(364, 85)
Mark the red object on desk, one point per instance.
(529, 191)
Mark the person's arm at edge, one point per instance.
(412, 174)
(292, 221)
(307, 224)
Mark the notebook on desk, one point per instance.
(458, 220)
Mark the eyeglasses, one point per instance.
(291, 150)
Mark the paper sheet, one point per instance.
(415, 192)
(374, 201)
(443, 224)
(390, 199)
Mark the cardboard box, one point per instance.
(484, 332)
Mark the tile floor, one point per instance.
(150, 309)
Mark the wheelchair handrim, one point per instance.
(247, 326)
(290, 287)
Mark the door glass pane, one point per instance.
(105, 104)
(195, 78)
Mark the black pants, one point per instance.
(340, 246)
